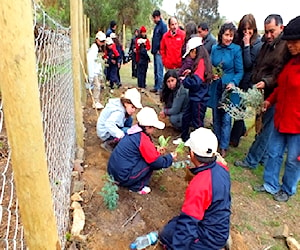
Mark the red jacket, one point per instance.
(170, 49)
(286, 97)
(137, 46)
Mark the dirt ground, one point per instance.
(255, 217)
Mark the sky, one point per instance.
(235, 9)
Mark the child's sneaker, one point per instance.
(177, 141)
(145, 190)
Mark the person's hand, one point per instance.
(161, 150)
(186, 72)
(216, 77)
(229, 86)
(174, 155)
(266, 105)
(162, 114)
(119, 65)
(246, 39)
(113, 61)
(260, 85)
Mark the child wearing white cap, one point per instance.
(196, 79)
(95, 65)
(135, 157)
(116, 118)
(204, 221)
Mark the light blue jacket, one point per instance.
(231, 59)
(111, 120)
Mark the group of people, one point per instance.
(104, 60)
(270, 63)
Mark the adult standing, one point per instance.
(171, 45)
(112, 28)
(208, 39)
(132, 53)
(271, 59)
(250, 42)
(287, 122)
(159, 30)
(227, 55)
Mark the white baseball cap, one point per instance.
(193, 43)
(109, 41)
(113, 35)
(134, 96)
(203, 142)
(148, 117)
(101, 36)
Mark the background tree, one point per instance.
(199, 11)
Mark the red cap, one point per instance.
(143, 29)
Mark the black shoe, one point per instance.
(153, 90)
(281, 196)
(260, 188)
(242, 164)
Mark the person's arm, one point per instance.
(238, 67)
(112, 124)
(148, 46)
(250, 54)
(152, 156)
(162, 50)
(177, 104)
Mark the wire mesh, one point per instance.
(54, 71)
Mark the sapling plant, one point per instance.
(180, 148)
(163, 142)
(109, 193)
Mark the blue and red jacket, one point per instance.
(134, 159)
(204, 221)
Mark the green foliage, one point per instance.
(109, 193)
(163, 142)
(180, 148)
(218, 70)
(68, 236)
(198, 11)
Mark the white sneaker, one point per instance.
(145, 190)
(177, 141)
(98, 105)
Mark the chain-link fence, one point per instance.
(54, 70)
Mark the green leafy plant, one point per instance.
(180, 148)
(163, 142)
(218, 70)
(68, 236)
(109, 193)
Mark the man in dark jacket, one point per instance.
(204, 221)
(270, 61)
(159, 30)
(208, 39)
(112, 28)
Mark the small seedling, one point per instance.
(180, 148)
(109, 193)
(68, 236)
(163, 142)
(162, 188)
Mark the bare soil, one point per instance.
(255, 217)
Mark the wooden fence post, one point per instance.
(76, 71)
(20, 93)
(81, 51)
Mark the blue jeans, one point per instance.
(276, 149)
(158, 71)
(259, 148)
(222, 127)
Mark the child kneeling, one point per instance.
(204, 221)
(135, 157)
